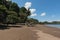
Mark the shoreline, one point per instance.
(45, 36)
(49, 30)
(52, 26)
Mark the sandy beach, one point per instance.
(29, 19)
(39, 32)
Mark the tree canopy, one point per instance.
(10, 12)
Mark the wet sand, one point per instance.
(49, 30)
(45, 36)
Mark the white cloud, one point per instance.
(32, 10)
(34, 14)
(28, 5)
(43, 14)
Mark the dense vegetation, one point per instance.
(10, 12)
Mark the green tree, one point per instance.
(11, 13)
(14, 7)
(12, 17)
(7, 3)
(3, 13)
(31, 20)
(1, 1)
(24, 13)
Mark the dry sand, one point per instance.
(17, 34)
(26, 33)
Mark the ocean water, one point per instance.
(53, 25)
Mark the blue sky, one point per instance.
(43, 10)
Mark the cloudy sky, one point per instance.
(43, 10)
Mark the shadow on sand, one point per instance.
(3, 27)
